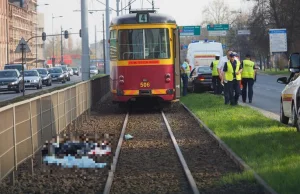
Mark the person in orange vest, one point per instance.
(216, 81)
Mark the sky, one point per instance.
(185, 12)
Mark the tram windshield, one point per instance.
(141, 44)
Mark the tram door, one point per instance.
(176, 48)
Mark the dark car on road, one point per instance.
(15, 66)
(32, 79)
(200, 79)
(75, 71)
(11, 80)
(45, 75)
(57, 74)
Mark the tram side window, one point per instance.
(144, 44)
(113, 45)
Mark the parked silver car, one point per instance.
(32, 79)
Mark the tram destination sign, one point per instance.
(217, 27)
(190, 30)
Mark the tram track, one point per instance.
(164, 171)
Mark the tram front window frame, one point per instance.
(144, 44)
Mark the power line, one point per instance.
(105, 5)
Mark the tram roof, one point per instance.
(154, 18)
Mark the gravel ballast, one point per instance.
(207, 162)
(148, 163)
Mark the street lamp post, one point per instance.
(53, 38)
(36, 32)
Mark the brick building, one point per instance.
(18, 18)
(22, 23)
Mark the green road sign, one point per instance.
(217, 27)
(190, 30)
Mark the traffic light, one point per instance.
(80, 33)
(66, 34)
(44, 36)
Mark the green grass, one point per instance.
(97, 76)
(273, 72)
(267, 146)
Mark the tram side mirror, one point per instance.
(282, 80)
(294, 62)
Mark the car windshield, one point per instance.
(74, 69)
(64, 68)
(55, 70)
(204, 70)
(4, 74)
(30, 73)
(42, 71)
(93, 68)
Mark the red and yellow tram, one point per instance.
(144, 52)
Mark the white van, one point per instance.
(202, 53)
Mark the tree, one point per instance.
(217, 12)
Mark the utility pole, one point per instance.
(95, 42)
(103, 42)
(118, 7)
(61, 46)
(107, 38)
(121, 7)
(85, 58)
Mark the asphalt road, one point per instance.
(267, 93)
(11, 95)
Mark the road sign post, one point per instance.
(244, 32)
(278, 42)
(217, 27)
(21, 48)
(190, 30)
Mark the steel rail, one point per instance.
(115, 159)
(187, 172)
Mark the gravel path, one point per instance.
(148, 163)
(108, 119)
(206, 161)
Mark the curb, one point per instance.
(266, 113)
(242, 165)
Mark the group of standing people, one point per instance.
(229, 73)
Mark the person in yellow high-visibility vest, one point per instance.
(248, 76)
(232, 74)
(216, 81)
